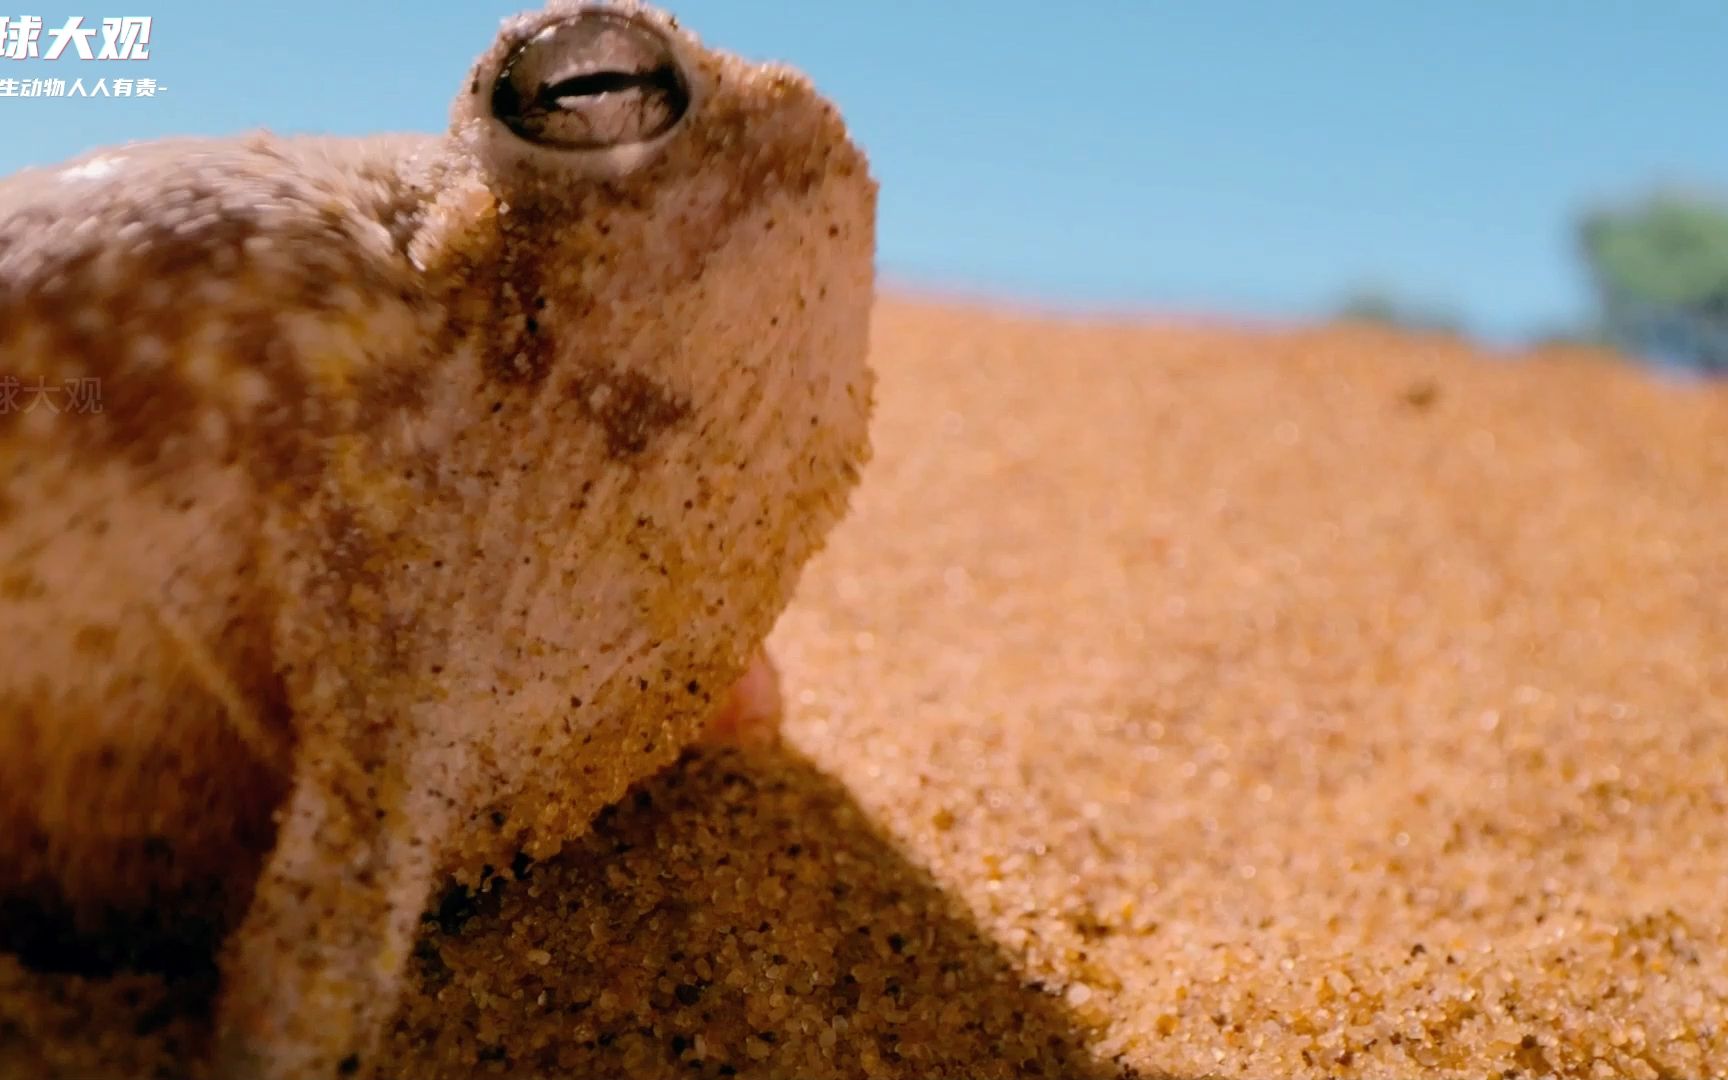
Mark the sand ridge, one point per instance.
(1177, 702)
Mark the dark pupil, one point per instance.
(660, 81)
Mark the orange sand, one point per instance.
(1175, 703)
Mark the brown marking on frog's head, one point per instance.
(630, 408)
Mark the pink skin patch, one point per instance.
(751, 710)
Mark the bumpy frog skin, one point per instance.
(439, 488)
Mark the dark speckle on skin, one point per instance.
(95, 641)
(629, 407)
(21, 585)
(524, 367)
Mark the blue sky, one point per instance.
(1225, 156)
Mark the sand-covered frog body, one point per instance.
(435, 489)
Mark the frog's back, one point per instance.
(180, 260)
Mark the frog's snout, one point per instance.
(596, 78)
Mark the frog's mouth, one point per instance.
(595, 80)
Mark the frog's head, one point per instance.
(684, 249)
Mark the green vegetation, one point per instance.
(1658, 267)
(1660, 271)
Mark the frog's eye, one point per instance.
(596, 80)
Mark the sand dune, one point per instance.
(1177, 703)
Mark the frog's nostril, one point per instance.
(595, 80)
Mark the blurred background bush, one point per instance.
(1658, 271)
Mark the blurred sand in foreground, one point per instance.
(1177, 702)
